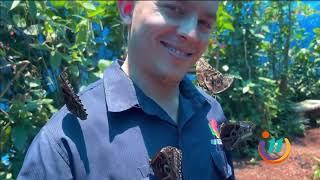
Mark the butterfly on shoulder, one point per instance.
(211, 79)
(71, 99)
(166, 164)
(233, 133)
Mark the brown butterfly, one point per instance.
(166, 164)
(211, 79)
(71, 99)
(232, 133)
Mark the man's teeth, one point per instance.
(176, 51)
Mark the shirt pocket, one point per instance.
(220, 161)
(146, 173)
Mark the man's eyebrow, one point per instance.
(210, 15)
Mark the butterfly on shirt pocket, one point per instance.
(230, 134)
(226, 136)
(166, 164)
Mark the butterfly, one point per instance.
(232, 133)
(166, 164)
(211, 79)
(71, 99)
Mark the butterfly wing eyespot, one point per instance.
(211, 79)
(167, 164)
(71, 99)
(232, 133)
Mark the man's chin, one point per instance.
(171, 78)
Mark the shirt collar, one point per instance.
(120, 92)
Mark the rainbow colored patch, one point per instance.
(213, 125)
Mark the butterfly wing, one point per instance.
(211, 79)
(233, 133)
(71, 99)
(166, 164)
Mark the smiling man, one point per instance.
(141, 105)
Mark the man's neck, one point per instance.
(162, 91)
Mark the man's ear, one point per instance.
(126, 9)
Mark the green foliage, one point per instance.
(264, 92)
(39, 39)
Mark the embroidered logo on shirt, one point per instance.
(213, 125)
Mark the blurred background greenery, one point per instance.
(271, 48)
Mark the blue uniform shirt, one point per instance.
(124, 129)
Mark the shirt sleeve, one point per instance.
(45, 159)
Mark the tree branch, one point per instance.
(24, 64)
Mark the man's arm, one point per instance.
(45, 159)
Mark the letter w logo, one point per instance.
(275, 146)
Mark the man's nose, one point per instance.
(188, 27)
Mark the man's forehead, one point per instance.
(208, 8)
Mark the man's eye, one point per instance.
(206, 24)
(174, 9)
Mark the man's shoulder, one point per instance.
(216, 111)
(57, 125)
(208, 97)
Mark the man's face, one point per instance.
(168, 37)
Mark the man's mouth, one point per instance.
(178, 52)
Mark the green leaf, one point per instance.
(32, 30)
(74, 70)
(103, 64)
(55, 60)
(46, 101)
(97, 75)
(96, 12)
(15, 3)
(19, 138)
(20, 22)
(32, 106)
(260, 36)
(34, 84)
(59, 3)
(89, 6)
(270, 81)
(82, 36)
(40, 46)
(67, 58)
(33, 8)
(228, 26)
(245, 89)
(265, 28)
(316, 30)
